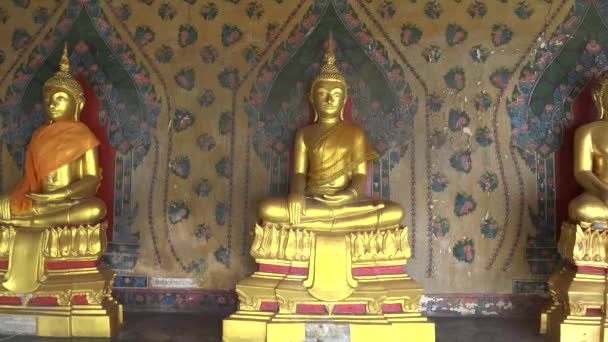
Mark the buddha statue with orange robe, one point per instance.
(53, 220)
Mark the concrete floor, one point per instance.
(204, 328)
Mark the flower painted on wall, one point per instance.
(209, 11)
(163, 54)
(221, 255)
(230, 34)
(254, 10)
(432, 54)
(222, 167)
(185, 78)
(147, 2)
(41, 15)
(20, 39)
(523, 10)
(501, 34)
(272, 31)
(440, 226)
(220, 213)
(455, 34)
(410, 34)
(482, 101)
(479, 54)
(386, 9)
(199, 266)
(206, 97)
(4, 15)
(182, 120)
(225, 123)
(203, 232)
(208, 54)
(203, 188)
(252, 54)
(488, 182)
(433, 9)
(438, 138)
(434, 102)
(461, 160)
(122, 11)
(500, 78)
(187, 35)
(178, 211)
(477, 9)
(229, 78)
(464, 204)
(180, 166)
(439, 182)
(489, 228)
(464, 250)
(205, 142)
(482, 136)
(166, 12)
(144, 35)
(458, 119)
(454, 79)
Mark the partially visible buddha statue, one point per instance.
(591, 162)
(60, 181)
(330, 168)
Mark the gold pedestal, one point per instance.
(74, 297)
(279, 302)
(578, 289)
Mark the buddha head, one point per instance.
(62, 94)
(328, 90)
(600, 95)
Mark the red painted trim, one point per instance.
(590, 270)
(45, 301)
(68, 264)
(80, 300)
(5, 300)
(352, 309)
(392, 308)
(378, 270)
(315, 309)
(269, 306)
(282, 269)
(593, 312)
(4, 264)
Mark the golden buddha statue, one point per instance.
(330, 168)
(53, 220)
(591, 162)
(578, 287)
(327, 249)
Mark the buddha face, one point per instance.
(328, 99)
(60, 104)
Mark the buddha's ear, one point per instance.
(80, 105)
(597, 100)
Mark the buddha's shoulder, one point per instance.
(595, 127)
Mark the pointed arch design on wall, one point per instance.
(129, 102)
(541, 111)
(274, 115)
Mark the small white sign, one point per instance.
(18, 325)
(327, 332)
(180, 283)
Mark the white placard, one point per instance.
(327, 332)
(180, 283)
(18, 325)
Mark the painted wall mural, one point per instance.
(466, 102)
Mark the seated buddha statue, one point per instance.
(60, 181)
(326, 190)
(591, 163)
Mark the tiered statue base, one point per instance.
(578, 289)
(74, 297)
(300, 293)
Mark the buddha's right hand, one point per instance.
(296, 204)
(5, 208)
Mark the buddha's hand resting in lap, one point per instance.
(297, 207)
(47, 197)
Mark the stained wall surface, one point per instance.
(465, 101)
